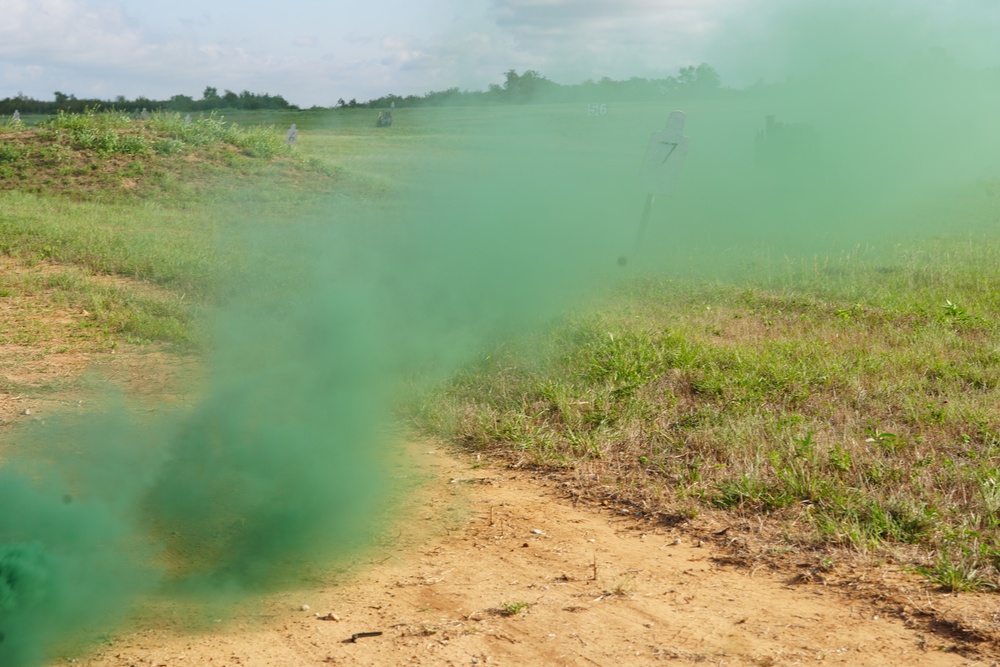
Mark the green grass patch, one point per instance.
(148, 200)
(170, 247)
(860, 411)
(108, 311)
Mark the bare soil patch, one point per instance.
(499, 567)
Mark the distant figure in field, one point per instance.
(187, 119)
(144, 115)
(16, 117)
(384, 119)
(792, 147)
(292, 136)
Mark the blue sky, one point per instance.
(316, 51)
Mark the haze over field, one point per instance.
(277, 471)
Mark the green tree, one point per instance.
(181, 103)
(524, 87)
(702, 78)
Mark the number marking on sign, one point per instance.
(673, 147)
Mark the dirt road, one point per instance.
(495, 567)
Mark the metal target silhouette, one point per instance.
(661, 168)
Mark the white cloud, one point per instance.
(341, 49)
(571, 40)
(65, 31)
(573, 17)
(565, 41)
(97, 47)
(22, 74)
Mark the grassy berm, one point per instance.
(841, 408)
(102, 153)
(117, 217)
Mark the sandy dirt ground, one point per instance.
(501, 567)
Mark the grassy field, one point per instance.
(847, 400)
(843, 420)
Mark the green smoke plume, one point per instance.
(893, 106)
(513, 216)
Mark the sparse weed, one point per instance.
(513, 608)
(202, 130)
(254, 141)
(623, 587)
(104, 132)
(10, 152)
(953, 311)
(957, 576)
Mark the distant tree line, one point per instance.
(210, 100)
(701, 80)
(525, 88)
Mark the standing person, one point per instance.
(292, 136)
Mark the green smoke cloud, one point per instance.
(898, 106)
(513, 215)
(70, 562)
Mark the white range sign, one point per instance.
(665, 155)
